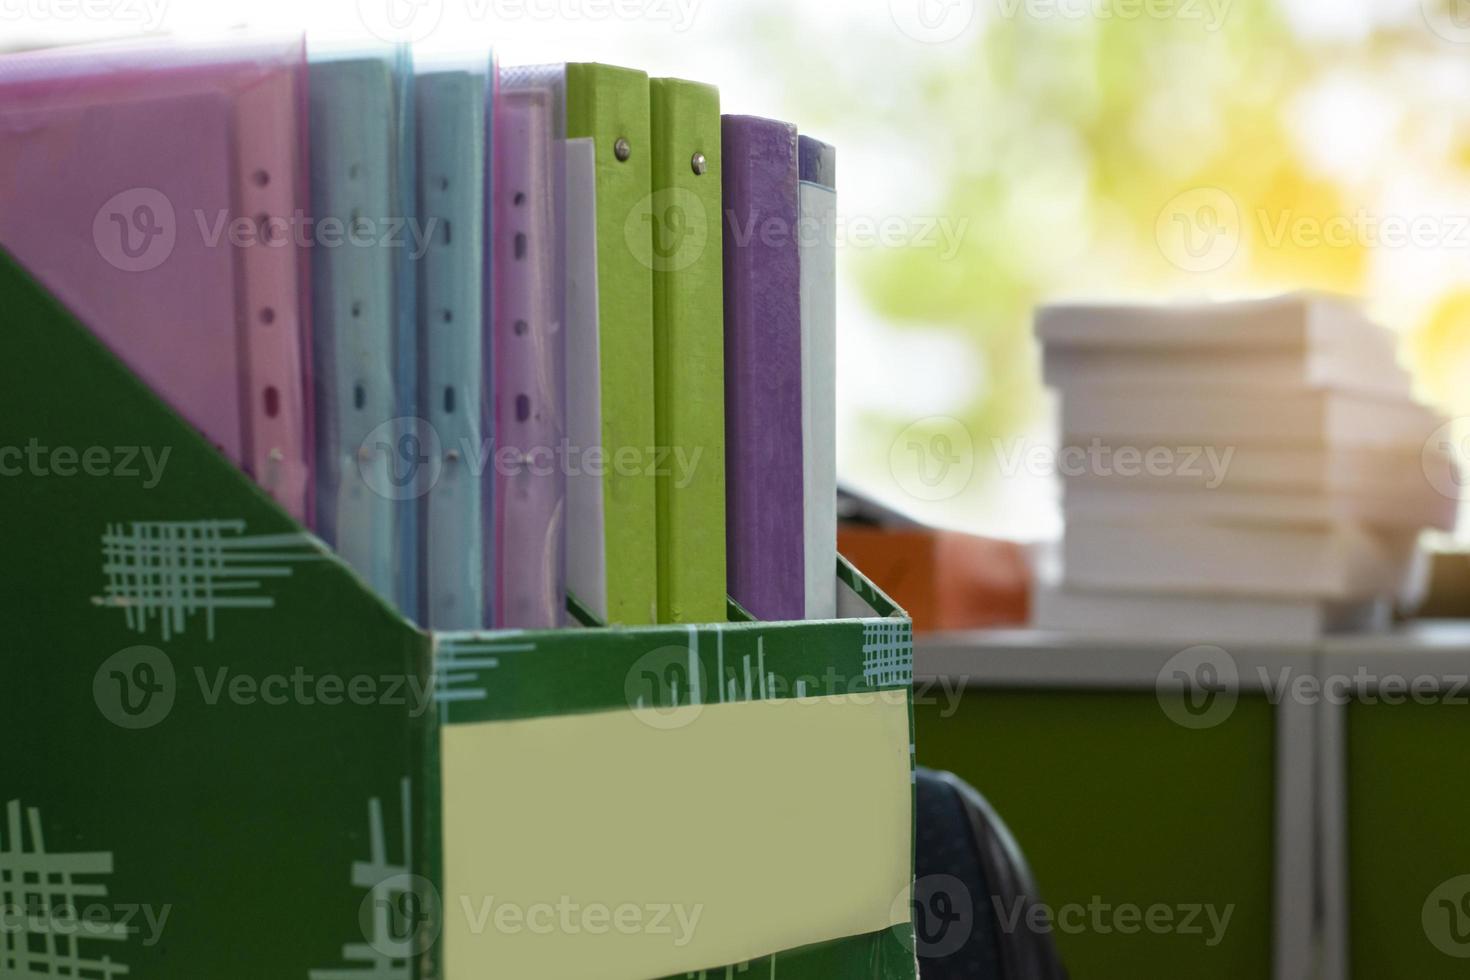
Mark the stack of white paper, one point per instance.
(1234, 470)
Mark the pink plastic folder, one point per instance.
(159, 191)
(529, 369)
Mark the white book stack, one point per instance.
(1248, 471)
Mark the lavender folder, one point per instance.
(763, 441)
(529, 385)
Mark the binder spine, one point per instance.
(530, 495)
(763, 369)
(273, 318)
(610, 105)
(451, 126)
(685, 254)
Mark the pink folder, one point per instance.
(529, 370)
(159, 192)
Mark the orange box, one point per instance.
(945, 580)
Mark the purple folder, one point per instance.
(153, 189)
(529, 366)
(763, 369)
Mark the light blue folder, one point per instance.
(454, 352)
(372, 460)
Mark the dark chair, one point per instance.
(973, 892)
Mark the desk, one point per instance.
(1395, 791)
(1111, 797)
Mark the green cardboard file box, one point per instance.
(228, 758)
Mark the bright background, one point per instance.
(995, 154)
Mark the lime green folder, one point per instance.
(688, 349)
(610, 106)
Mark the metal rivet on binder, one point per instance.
(622, 149)
(699, 163)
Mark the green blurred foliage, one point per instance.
(1063, 141)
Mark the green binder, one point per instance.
(688, 349)
(610, 106)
